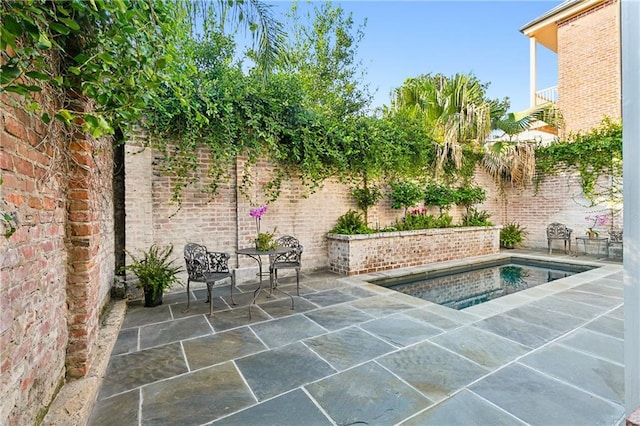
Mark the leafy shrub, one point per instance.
(512, 233)
(366, 197)
(467, 196)
(445, 220)
(473, 217)
(350, 223)
(441, 196)
(416, 219)
(405, 194)
(155, 270)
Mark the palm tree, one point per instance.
(453, 108)
(267, 33)
(514, 159)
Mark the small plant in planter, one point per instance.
(351, 223)
(155, 272)
(511, 234)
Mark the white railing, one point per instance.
(550, 94)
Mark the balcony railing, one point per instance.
(550, 94)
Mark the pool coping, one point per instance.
(500, 304)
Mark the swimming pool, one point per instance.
(459, 288)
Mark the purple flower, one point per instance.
(598, 220)
(257, 214)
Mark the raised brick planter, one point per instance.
(362, 254)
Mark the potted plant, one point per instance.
(156, 272)
(511, 234)
(265, 240)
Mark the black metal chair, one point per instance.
(615, 239)
(290, 260)
(559, 231)
(207, 267)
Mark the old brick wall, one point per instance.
(557, 198)
(56, 270)
(589, 67)
(223, 223)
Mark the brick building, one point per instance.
(585, 34)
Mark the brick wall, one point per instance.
(364, 254)
(589, 67)
(56, 270)
(223, 223)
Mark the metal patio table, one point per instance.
(256, 255)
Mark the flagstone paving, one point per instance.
(351, 352)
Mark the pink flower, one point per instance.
(257, 214)
(598, 220)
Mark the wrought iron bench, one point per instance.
(559, 231)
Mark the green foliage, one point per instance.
(405, 194)
(594, 154)
(119, 55)
(420, 219)
(444, 220)
(8, 221)
(512, 233)
(474, 217)
(154, 269)
(366, 197)
(9, 224)
(442, 196)
(351, 223)
(265, 241)
(321, 52)
(416, 219)
(468, 195)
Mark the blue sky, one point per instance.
(407, 38)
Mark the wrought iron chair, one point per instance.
(615, 239)
(207, 267)
(559, 231)
(289, 260)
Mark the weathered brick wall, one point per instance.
(33, 314)
(589, 66)
(223, 223)
(556, 199)
(363, 254)
(56, 270)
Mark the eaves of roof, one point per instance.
(559, 8)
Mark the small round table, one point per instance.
(255, 254)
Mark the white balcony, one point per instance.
(550, 94)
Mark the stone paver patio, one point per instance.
(356, 353)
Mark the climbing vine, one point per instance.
(595, 154)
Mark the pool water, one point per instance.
(467, 288)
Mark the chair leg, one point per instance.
(298, 282)
(549, 245)
(233, 284)
(188, 296)
(210, 299)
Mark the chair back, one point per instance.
(615, 236)
(218, 262)
(294, 256)
(558, 230)
(195, 256)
